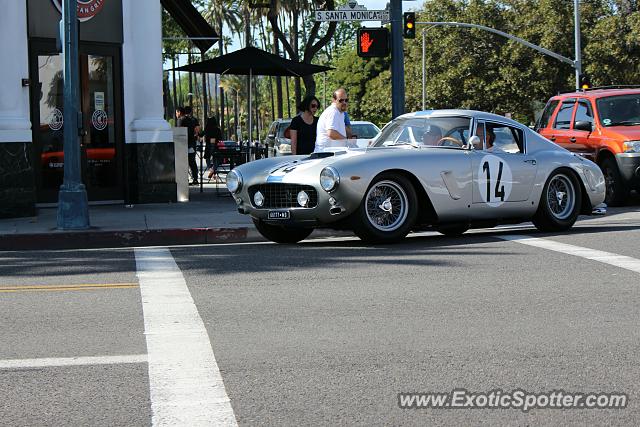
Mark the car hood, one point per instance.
(294, 169)
(626, 133)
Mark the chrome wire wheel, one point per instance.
(561, 197)
(386, 205)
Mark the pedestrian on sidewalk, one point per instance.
(331, 130)
(304, 126)
(212, 135)
(193, 129)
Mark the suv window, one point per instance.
(583, 112)
(543, 122)
(563, 118)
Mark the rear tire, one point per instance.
(617, 191)
(388, 210)
(280, 234)
(560, 202)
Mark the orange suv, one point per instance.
(602, 124)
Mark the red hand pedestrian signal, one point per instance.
(373, 42)
(365, 42)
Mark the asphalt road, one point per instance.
(326, 332)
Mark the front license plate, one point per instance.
(279, 214)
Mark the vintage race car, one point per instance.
(449, 170)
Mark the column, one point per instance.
(148, 137)
(17, 189)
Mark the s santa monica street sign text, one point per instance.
(352, 15)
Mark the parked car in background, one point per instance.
(426, 169)
(364, 132)
(276, 142)
(603, 125)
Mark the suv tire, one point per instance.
(617, 190)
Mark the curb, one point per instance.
(94, 239)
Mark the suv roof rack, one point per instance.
(612, 87)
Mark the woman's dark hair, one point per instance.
(212, 128)
(306, 103)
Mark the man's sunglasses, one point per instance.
(343, 100)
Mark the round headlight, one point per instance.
(234, 181)
(303, 199)
(258, 199)
(329, 178)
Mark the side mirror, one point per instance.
(583, 125)
(474, 141)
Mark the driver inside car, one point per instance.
(432, 135)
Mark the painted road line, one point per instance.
(184, 380)
(67, 287)
(622, 261)
(71, 361)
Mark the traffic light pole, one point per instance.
(397, 60)
(73, 207)
(578, 62)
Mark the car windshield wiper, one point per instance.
(625, 123)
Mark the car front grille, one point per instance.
(282, 196)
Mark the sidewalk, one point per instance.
(206, 218)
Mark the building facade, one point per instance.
(126, 144)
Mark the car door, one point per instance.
(561, 131)
(504, 173)
(579, 140)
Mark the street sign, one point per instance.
(351, 15)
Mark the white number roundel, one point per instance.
(494, 180)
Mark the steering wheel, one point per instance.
(448, 141)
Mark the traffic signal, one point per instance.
(585, 81)
(373, 42)
(409, 28)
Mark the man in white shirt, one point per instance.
(331, 131)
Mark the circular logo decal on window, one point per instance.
(55, 120)
(494, 180)
(87, 9)
(99, 119)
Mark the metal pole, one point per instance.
(205, 108)
(73, 206)
(578, 63)
(424, 30)
(250, 121)
(397, 60)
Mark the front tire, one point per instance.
(388, 210)
(281, 234)
(617, 191)
(560, 202)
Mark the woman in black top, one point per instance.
(303, 126)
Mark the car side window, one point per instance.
(583, 112)
(563, 118)
(543, 122)
(501, 138)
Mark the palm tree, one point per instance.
(219, 13)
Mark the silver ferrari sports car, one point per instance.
(448, 170)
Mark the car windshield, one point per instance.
(431, 131)
(365, 130)
(621, 110)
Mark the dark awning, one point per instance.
(251, 60)
(191, 22)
